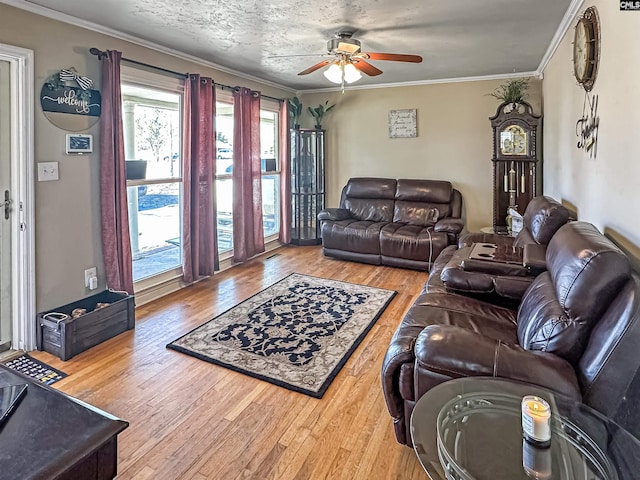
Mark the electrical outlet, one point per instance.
(88, 273)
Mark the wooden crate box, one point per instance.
(68, 337)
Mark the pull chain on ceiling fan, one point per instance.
(350, 60)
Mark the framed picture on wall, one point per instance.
(79, 143)
(402, 123)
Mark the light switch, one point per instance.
(47, 171)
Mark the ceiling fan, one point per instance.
(349, 60)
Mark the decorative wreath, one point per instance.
(68, 76)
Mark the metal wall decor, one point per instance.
(588, 125)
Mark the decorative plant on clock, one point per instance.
(512, 91)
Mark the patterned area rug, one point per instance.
(35, 369)
(297, 333)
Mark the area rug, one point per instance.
(297, 333)
(35, 369)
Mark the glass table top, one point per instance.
(471, 429)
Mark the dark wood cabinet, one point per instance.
(307, 185)
(516, 173)
(54, 436)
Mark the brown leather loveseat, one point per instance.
(382, 221)
(576, 332)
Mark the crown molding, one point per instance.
(565, 24)
(78, 22)
(501, 76)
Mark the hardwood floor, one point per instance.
(190, 419)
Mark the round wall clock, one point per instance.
(586, 48)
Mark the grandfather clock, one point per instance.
(516, 179)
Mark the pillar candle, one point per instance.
(536, 420)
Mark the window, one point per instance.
(270, 166)
(152, 135)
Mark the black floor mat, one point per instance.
(35, 369)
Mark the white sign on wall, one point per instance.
(402, 123)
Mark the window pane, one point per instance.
(271, 204)
(224, 138)
(268, 141)
(224, 204)
(154, 225)
(151, 122)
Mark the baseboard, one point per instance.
(154, 292)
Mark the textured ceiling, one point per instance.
(461, 38)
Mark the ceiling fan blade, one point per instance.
(365, 67)
(315, 67)
(396, 57)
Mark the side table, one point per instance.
(470, 428)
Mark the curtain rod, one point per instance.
(99, 53)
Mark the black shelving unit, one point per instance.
(307, 185)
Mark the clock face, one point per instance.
(582, 51)
(513, 141)
(586, 49)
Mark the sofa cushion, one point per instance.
(413, 242)
(414, 213)
(543, 217)
(457, 352)
(585, 272)
(380, 188)
(353, 236)
(370, 209)
(424, 191)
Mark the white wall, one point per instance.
(606, 190)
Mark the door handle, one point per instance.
(6, 204)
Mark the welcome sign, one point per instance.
(58, 96)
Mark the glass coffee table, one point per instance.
(470, 428)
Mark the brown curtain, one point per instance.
(285, 174)
(199, 243)
(248, 231)
(116, 244)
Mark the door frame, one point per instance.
(22, 193)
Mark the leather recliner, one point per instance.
(576, 332)
(403, 223)
(542, 218)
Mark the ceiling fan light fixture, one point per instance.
(351, 73)
(334, 73)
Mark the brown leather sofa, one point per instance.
(542, 218)
(383, 221)
(576, 331)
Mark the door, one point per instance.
(5, 224)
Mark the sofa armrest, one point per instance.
(399, 353)
(449, 225)
(334, 214)
(534, 257)
(455, 352)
